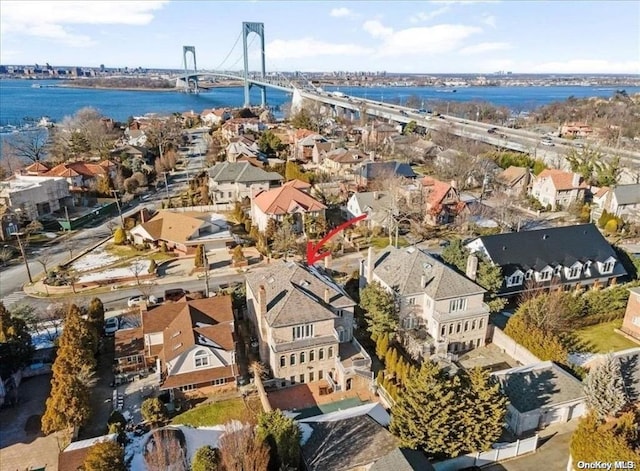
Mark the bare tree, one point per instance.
(44, 260)
(165, 450)
(30, 145)
(137, 268)
(242, 450)
(6, 254)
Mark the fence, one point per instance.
(483, 458)
(513, 348)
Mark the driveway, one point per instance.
(22, 445)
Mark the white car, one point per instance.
(111, 325)
(140, 299)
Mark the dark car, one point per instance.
(174, 294)
(492, 130)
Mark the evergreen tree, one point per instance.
(206, 458)
(612, 441)
(456, 254)
(105, 456)
(604, 388)
(380, 310)
(18, 349)
(382, 346)
(153, 266)
(424, 416)
(490, 277)
(95, 315)
(198, 262)
(282, 434)
(153, 410)
(120, 236)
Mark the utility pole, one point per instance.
(206, 272)
(115, 193)
(66, 213)
(24, 257)
(166, 185)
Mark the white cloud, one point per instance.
(340, 12)
(426, 16)
(52, 20)
(489, 20)
(481, 48)
(587, 66)
(377, 29)
(419, 40)
(309, 47)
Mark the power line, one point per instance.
(229, 53)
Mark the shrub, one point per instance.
(153, 410)
(206, 458)
(611, 227)
(153, 266)
(120, 236)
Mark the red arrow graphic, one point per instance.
(313, 254)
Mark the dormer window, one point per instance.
(201, 358)
(545, 275)
(574, 271)
(515, 279)
(607, 266)
(558, 270)
(528, 275)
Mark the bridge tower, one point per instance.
(248, 28)
(187, 72)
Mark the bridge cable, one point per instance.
(229, 53)
(242, 55)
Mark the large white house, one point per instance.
(35, 196)
(431, 296)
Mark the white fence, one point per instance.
(484, 458)
(513, 348)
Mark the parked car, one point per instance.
(547, 142)
(492, 130)
(174, 294)
(140, 299)
(111, 325)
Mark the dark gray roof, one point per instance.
(627, 194)
(404, 269)
(295, 293)
(345, 444)
(542, 384)
(403, 459)
(241, 172)
(550, 247)
(371, 170)
(630, 368)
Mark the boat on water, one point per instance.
(45, 122)
(36, 85)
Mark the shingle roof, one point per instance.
(346, 444)
(379, 203)
(372, 170)
(512, 175)
(403, 459)
(562, 180)
(627, 194)
(404, 269)
(542, 384)
(436, 190)
(170, 226)
(286, 199)
(553, 246)
(295, 293)
(241, 172)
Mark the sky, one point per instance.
(439, 36)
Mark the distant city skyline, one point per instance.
(439, 36)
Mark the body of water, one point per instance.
(20, 102)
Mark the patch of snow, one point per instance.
(305, 432)
(91, 441)
(203, 324)
(579, 359)
(50, 235)
(97, 258)
(202, 340)
(373, 410)
(122, 272)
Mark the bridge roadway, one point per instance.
(507, 138)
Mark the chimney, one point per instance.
(327, 295)
(372, 156)
(142, 218)
(576, 180)
(327, 262)
(369, 273)
(472, 267)
(453, 184)
(423, 281)
(262, 301)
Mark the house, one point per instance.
(130, 152)
(343, 161)
(288, 199)
(631, 322)
(129, 351)
(569, 257)
(539, 395)
(319, 151)
(134, 136)
(191, 343)
(411, 147)
(83, 175)
(213, 117)
(374, 135)
(9, 223)
(238, 126)
(73, 456)
(378, 205)
(558, 189)
(304, 323)
(442, 202)
(234, 181)
(431, 297)
(182, 232)
(304, 142)
(370, 171)
(575, 129)
(32, 198)
(514, 181)
(236, 150)
(624, 202)
(35, 169)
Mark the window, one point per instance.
(473, 324)
(545, 275)
(292, 379)
(302, 378)
(450, 329)
(557, 271)
(528, 275)
(301, 357)
(515, 279)
(443, 330)
(201, 358)
(302, 331)
(320, 375)
(411, 300)
(339, 313)
(575, 271)
(330, 353)
(283, 361)
(188, 387)
(218, 382)
(457, 305)
(292, 359)
(312, 355)
(321, 354)
(311, 379)
(636, 321)
(466, 325)
(480, 323)
(607, 267)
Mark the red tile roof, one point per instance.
(436, 190)
(299, 184)
(74, 169)
(562, 180)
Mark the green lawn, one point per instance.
(383, 242)
(602, 339)
(217, 413)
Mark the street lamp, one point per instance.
(24, 256)
(115, 193)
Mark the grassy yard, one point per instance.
(383, 242)
(220, 412)
(601, 338)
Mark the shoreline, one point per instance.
(143, 89)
